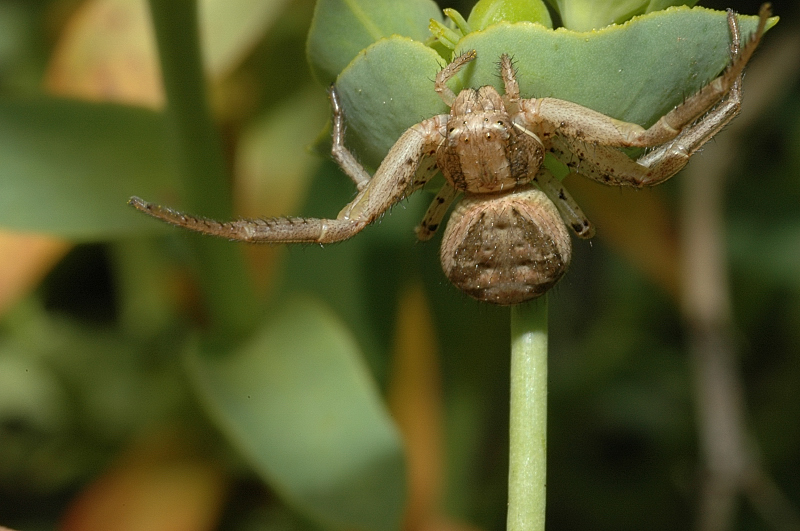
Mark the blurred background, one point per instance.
(674, 337)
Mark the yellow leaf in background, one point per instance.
(160, 484)
(415, 400)
(24, 260)
(107, 52)
(650, 243)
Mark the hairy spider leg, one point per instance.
(394, 180)
(605, 164)
(436, 212)
(566, 205)
(572, 120)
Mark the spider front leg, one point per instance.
(601, 162)
(611, 166)
(572, 120)
(394, 180)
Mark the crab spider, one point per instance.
(506, 240)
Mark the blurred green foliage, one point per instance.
(119, 340)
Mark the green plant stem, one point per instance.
(527, 472)
(231, 304)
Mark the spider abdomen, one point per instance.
(506, 249)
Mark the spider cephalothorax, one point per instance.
(482, 151)
(506, 241)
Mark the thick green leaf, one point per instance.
(69, 167)
(342, 28)
(299, 404)
(635, 72)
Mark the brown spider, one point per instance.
(505, 242)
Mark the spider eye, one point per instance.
(500, 123)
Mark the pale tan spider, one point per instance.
(505, 242)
